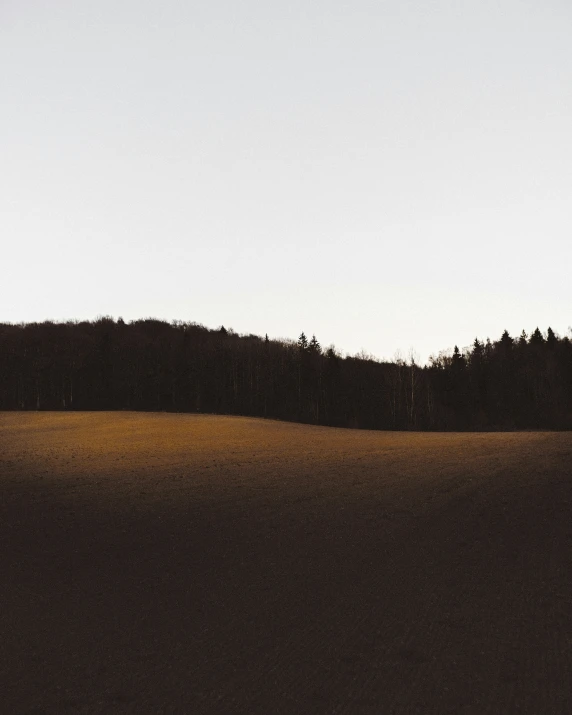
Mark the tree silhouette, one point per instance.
(536, 338)
(314, 346)
(153, 365)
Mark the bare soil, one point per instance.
(155, 563)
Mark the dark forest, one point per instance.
(513, 383)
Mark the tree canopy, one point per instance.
(150, 364)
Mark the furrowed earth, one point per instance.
(161, 563)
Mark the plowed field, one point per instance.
(154, 563)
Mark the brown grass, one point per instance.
(156, 563)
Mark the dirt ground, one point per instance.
(155, 563)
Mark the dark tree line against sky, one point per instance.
(513, 383)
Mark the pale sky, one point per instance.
(387, 175)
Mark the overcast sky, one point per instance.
(388, 175)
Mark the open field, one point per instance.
(156, 563)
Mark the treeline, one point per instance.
(523, 383)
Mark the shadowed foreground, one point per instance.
(207, 564)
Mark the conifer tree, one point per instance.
(536, 338)
(477, 353)
(314, 346)
(506, 341)
(458, 361)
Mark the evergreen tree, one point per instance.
(537, 338)
(506, 341)
(314, 347)
(477, 353)
(458, 362)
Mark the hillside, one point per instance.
(211, 564)
(152, 365)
